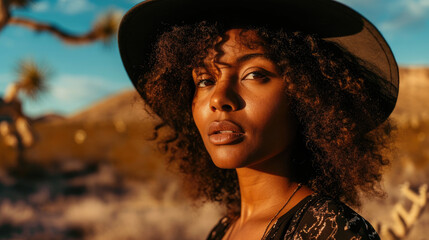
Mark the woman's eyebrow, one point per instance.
(246, 58)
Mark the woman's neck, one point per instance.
(262, 193)
(266, 187)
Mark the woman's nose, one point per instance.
(225, 98)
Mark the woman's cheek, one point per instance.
(199, 114)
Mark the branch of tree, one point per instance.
(4, 13)
(66, 37)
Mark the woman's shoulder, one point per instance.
(325, 218)
(316, 217)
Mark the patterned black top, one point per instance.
(315, 217)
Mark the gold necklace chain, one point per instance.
(272, 219)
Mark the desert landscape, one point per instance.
(102, 173)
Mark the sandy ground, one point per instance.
(77, 201)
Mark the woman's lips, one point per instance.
(225, 132)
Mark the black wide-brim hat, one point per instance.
(143, 24)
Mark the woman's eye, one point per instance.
(204, 83)
(255, 75)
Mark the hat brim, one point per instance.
(142, 25)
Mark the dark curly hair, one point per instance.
(338, 150)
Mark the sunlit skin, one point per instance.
(244, 87)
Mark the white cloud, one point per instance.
(408, 13)
(74, 6)
(41, 6)
(79, 88)
(69, 93)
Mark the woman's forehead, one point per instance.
(235, 45)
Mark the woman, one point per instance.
(280, 108)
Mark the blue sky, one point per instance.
(84, 74)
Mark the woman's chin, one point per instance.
(226, 164)
(229, 162)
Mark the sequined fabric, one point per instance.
(315, 217)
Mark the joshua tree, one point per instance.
(31, 79)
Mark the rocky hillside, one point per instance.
(413, 100)
(118, 129)
(126, 106)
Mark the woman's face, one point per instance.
(240, 107)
